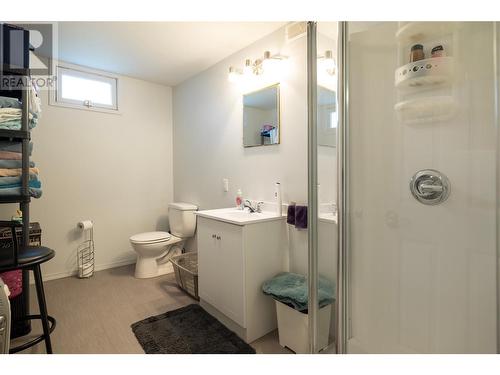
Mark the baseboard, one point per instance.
(98, 267)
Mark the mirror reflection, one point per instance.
(261, 117)
(327, 117)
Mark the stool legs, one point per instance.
(43, 307)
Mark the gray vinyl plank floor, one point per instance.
(94, 315)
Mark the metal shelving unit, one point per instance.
(23, 136)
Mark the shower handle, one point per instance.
(427, 187)
(430, 187)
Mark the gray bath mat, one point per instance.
(188, 330)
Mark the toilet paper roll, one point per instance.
(85, 224)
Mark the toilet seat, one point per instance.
(150, 237)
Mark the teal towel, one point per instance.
(16, 124)
(292, 289)
(6, 102)
(14, 163)
(15, 180)
(14, 146)
(32, 184)
(16, 191)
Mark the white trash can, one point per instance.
(293, 327)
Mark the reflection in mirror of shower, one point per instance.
(327, 117)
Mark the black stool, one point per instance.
(29, 258)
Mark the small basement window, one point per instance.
(78, 88)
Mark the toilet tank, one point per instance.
(182, 219)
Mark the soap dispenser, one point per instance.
(239, 199)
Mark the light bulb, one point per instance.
(248, 69)
(234, 75)
(327, 63)
(270, 66)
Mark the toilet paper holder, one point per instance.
(85, 251)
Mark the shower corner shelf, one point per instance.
(419, 31)
(427, 73)
(426, 110)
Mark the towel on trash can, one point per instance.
(292, 289)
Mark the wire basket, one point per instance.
(186, 272)
(85, 257)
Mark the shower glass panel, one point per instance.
(422, 188)
(327, 121)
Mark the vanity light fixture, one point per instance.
(267, 64)
(327, 62)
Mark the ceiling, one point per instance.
(163, 52)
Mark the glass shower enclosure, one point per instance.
(404, 147)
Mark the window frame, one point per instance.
(84, 72)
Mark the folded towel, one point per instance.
(6, 102)
(301, 217)
(14, 164)
(10, 118)
(9, 155)
(31, 183)
(16, 124)
(10, 180)
(16, 191)
(14, 146)
(10, 172)
(34, 104)
(290, 217)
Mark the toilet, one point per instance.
(154, 249)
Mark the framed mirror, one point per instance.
(327, 117)
(261, 117)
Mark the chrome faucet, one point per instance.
(257, 208)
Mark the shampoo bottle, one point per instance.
(239, 199)
(279, 203)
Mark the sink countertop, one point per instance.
(239, 217)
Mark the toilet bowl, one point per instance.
(154, 249)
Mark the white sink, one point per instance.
(239, 217)
(328, 217)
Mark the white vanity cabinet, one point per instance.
(233, 262)
(221, 267)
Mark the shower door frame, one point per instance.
(342, 300)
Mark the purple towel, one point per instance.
(301, 217)
(290, 218)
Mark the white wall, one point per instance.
(115, 169)
(208, 131)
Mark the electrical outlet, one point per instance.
(225, 184)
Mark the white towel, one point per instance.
(10, 114)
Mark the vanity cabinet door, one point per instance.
(232, 271)
(207, 262)
(221, 268)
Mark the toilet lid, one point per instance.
(151, 237)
